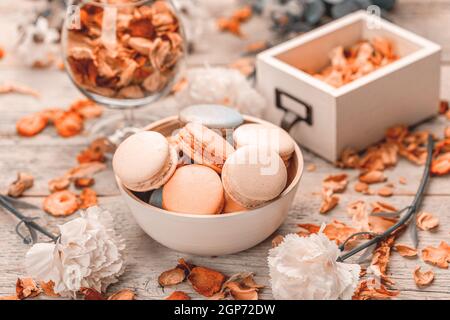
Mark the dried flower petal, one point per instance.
(205, 281)
(427, 221)
(18, 88)
(58, 184)
(178, 295)
(329, 202)
(362, 187)
(336, 183)
(423, 279)
(277, 240)
(69, 124)
(367, 290)
(86, 108)
(172, 277)
(381, 258)
(23, 182)
(441, 165)
(311, 168)
(88, 198)
(27, 288)
(372, 177)
(31, 125)
(124, 294)
(405, 251)
(82, 183)
(240, 293)
(48, 288)
(386, 191)
(439, 256)
(91, 294)
(335, 230)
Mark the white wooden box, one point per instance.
(325, 119)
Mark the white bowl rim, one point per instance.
(291, 186)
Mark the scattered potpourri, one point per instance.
(23, 182)
(423, 279)
(140, 63)
(233, 23)
(209, 283)
(10, 87)
(353, 63)
(68, 123)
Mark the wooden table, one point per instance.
(48, 156)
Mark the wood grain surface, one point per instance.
(48, 156)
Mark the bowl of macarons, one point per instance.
(209, 181)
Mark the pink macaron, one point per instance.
(252, 176)
(194, 189)
(145, 161)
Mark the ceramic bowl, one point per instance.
(213, 235)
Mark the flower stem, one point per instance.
(409, 214)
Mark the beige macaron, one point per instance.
(252, 176)
(204, 146)
(145, 161)
(265, 136)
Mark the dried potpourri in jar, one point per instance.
(124, 49)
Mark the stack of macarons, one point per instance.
(230, 166)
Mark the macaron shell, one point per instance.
(212, 116)
(271, 137)
(252, 177)
(140, 158)
(232, 206)
(204, 146)
(194, 189)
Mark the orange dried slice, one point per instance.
(86, 108)
(205, 281)
(58, 184)
(69, 124)
(27, 288)
(31, 125)
(178, 295)
(61, 203)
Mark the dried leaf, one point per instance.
(124, 294)
(427, 221)
(405, 251)
(27, 288)
(205, 281)
(23, 182)
(178, 295)
(439, 256)
(423, 279)
(311, 168)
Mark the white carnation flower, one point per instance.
(88, 254)
(305, 268)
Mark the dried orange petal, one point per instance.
(172, 277)
(81, 183)
(91, 294)
(88, 198)
(31, 125)
(336, 183)
(23, 182)
(368, 290)
(329, 202)
(380, 259)
(205, 281)
(69, 124)
(423, 279)
(277, 241)
(178, 295)
(405, 251)
(58, 184)
(362, 187)
(386, 191)
(27, 288)
(427, 221)
(86, 108)
(124, 294)
(61, 203)
(441, 165)
(372, 177)
(48, 288)
(439, 256)
(240, 293)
